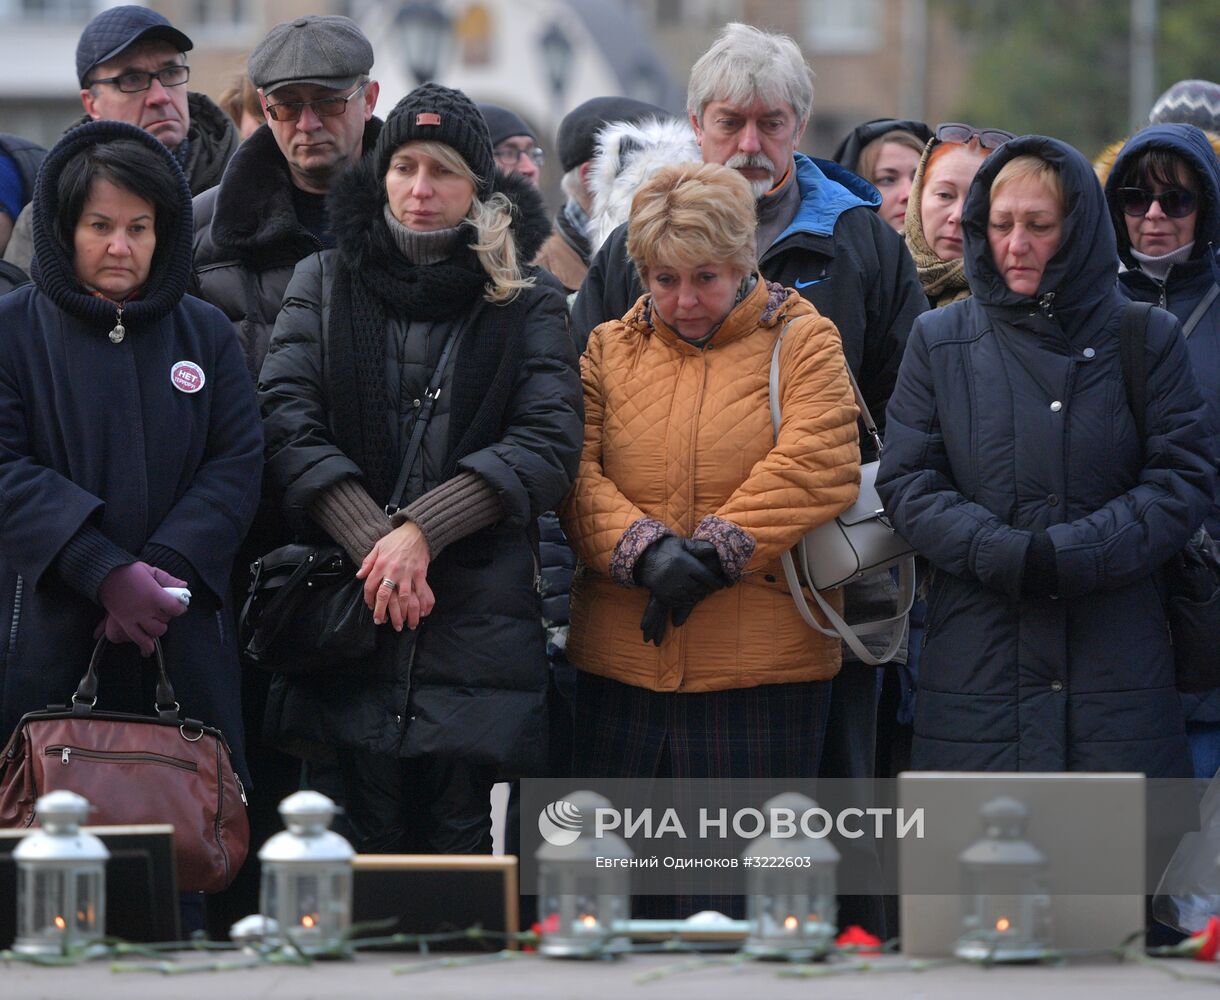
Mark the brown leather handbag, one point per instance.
(134, 769)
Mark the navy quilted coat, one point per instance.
(1010, 417)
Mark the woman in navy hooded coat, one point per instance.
(130, 443)
(1169, 247)
(1013, 464)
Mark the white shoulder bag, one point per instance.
(857, 543)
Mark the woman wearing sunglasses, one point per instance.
(1164, 198)
(1013, 464)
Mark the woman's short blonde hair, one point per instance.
(492, 221)
(1035, 168)
(691, 214)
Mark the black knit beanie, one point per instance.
(432, 113)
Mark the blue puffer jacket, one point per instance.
(1010, 419)
(1181, 292)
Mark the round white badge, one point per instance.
(187, 376)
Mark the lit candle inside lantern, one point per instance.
(309, 920)
(60, 922)
(588, 920)
(791, 923)
(1002, 924)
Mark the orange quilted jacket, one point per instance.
(679, 439)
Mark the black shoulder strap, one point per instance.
(425, 411)
(1135, 368)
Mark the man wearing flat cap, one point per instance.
(131, 64)
(566, 252)
(269, 210)
(268, 213)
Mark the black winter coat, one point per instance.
(471, 683)
(248, 240)
(1010, 419)
(93, 432)
(1181, 293)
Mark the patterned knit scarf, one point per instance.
(384, 287)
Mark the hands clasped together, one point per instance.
(679, 572)
(396, 578)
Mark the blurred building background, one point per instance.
(1084, 70)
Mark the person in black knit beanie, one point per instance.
(447, 416)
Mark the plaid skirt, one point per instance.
(771, 731)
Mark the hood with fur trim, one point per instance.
(355, 207)
(626, 155)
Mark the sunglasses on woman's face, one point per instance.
(1177, 203)
(989, 138)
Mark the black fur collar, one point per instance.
(355, 205)
(254, 207)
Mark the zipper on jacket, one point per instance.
(406, 702)
(67, 753)
(1047, 304)
(16, 620)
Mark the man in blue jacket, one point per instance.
(749, 99)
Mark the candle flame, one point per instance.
(308, 920)
(791, 923)
(1002, 924)
(61, 923)
(588, 920)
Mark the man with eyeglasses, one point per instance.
(269, 210)
(268, 213)
(131, 65)
(513, 143)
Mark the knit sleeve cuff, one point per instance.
(87, 558)
(642, 533)
(459, 507)
(351, 517)
(733, 544)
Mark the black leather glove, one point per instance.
(675, 574)
(656, 617)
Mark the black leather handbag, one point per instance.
(305, 611)
(1192, 576)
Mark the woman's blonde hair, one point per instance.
(690, 214)
(492, 221)
(1035, 168)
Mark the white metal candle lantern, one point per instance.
(1007, 904)
(580, 905)
(61, 880)
(791, 907)
(307, 878)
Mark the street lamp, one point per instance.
(557, 55)
(425, 31)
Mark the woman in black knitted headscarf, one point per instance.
(427, 279)
(130, 448)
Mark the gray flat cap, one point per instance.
(325, 49)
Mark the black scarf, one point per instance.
(389, 287)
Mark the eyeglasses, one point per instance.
(138, 80)
(510, 156)
(326, 107)
(989, 138)
(1176, 203)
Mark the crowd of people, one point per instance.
(498, 417)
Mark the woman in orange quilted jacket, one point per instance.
(693, 660)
